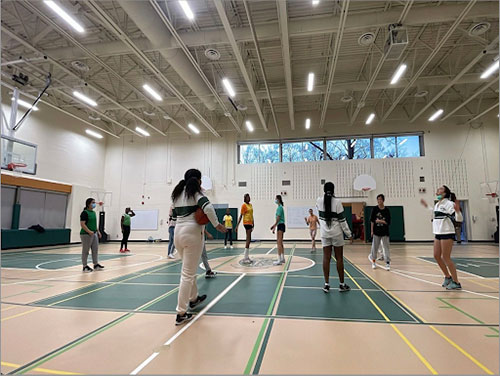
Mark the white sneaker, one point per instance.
(171, 256)
(231, 247)
(246, 260)
(277, 262)
(387, 266)
(225, 247)
(374, 265)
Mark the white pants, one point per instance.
(189, 242)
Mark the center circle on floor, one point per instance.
(261, 264)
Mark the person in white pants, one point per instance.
(189, 240)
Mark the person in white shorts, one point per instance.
(333, 226)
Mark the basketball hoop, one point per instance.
(101, 203)
(16, 167)
(492, 197)
(366, 189)
(490, 190)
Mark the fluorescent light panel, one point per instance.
(84, 98)
(187, 10)
(315, 2)
(229, 88)
(65, 16)
(25, 104)
(308, 123)
(93, 134)
(491, 69)
(142, 131)
(397, 75)
(193, 128)
(249, 125)
(310, 82)
(152, 92)
(436, 114)
(370, 118)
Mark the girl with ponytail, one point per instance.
(446, 213)
(333, 226)
(187, 198)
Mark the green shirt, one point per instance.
(126, 219)
(90, 219)
(281, 213)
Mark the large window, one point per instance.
(377, 146)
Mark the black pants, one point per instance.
(126, 234)
(229, 235)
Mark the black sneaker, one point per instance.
(210, 274)
(326, 288)
(87, 269)
(179, 320)
(344, 288)
(198, 300)
(98, 267)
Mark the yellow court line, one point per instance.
(465, 353)
(482, 284)
(43, 370)
(21, 314)
(8, 308)
(403, 337)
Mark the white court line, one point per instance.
(435, 264)
(270, 251)
(437, 284)
(430, 275)
(197, 317)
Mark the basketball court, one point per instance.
(388, 107)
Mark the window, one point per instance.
(270, 153)
(360, 148)
(337, 149)
(384, 147)
(306, 151)
(259, 153)
(408, 146)
(249, 153)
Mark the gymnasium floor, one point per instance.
(257, 320)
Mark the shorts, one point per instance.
(281, 227)
(335, 242)
(445, 236)
(248, 227)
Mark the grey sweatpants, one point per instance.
(385, 247)
(204, 258)
(89, 242)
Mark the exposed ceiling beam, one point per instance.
(431, 56)
(299, 27)
(173, 31)
(152, 67)
(495, 105)
(239, 58)
(333, 63)
(261, 64)
(285, 49)
(477, 58)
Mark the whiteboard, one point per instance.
(145, 220)
(295, 216)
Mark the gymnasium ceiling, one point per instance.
(263, 47)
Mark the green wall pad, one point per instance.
(31, 238)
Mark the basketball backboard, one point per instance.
(18, 155)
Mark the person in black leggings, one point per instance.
(125, 223)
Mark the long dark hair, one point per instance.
(190, 183)
(280, 199)
(329, 189)
(447, 192)
(88, 202)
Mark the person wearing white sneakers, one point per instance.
(380, 220)
(333, 226)
(248, 223)
(280, 224)
(171, 234)
(228, 223)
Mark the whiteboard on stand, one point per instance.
(145, 220)
(295, 216)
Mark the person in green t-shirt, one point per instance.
(90, 235)
(280, 224)
(125, 223)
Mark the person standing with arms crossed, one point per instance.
(90, 236)
(228, 222)
(312, 221)
(280, 224)
(125, 224)
(380, 220)
(248, 223)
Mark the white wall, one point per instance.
(151, 167)
(65, 154)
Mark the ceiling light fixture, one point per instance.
(308, 123)
(142, 131)
(193, 128)
(152, 92)
(370, 118)
(93, 134)
(84, 98)
(436, 114)
(229, 88)
(310, 82)
(249, 125)
(65, 16)
(399, 72)
(25, 104)
(491, 69)
(402, 142)
(187, 10)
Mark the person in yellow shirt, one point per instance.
(228, 223)
(248, 223)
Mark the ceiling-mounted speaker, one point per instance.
(421, 91)
(347, 97)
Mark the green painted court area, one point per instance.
(481, 266)
(302, 295)
(50, 261)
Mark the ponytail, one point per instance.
(329, 189)
(179, 188)
(192, 187)
(280, 199)
(447, 192)
(190, 183)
